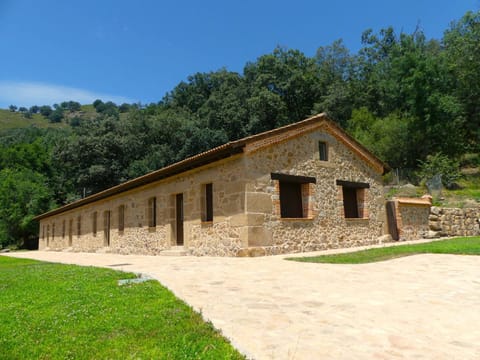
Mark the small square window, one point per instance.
(323, 150)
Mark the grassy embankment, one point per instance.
(457, 246)
(16, 120)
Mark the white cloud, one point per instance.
(30, 93)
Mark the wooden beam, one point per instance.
(353, 184)
(293, 178)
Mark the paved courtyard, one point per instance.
(417, 307)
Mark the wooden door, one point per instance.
(179, 219)
(392, 220)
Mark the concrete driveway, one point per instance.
(417, 307)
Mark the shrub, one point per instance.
(440, 164)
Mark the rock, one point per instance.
(432, 217)
(432, 234)
(384, 238)
(435, 210)
(242, 253)
(254, 252)
(435, 225)
(4, 250)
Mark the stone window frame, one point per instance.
(307, 185)
(361, 199)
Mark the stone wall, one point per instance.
(324, 226)
(412, 217)
(454, 222)
(417, 219)
(220, 237)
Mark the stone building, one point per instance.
(302, 187)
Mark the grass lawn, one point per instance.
(54, 311)
(458, 246)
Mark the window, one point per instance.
(43, 232)
(353, 195)
(295, 194)
(79, 226)
(106, 228)
(208, 206)
(291, 200)
(48, 234)
(323, 150)
(121, 217)
(350, 203)
(94, 223)
(70, 232)
(152, 212)
(53, 231)
(63, 229)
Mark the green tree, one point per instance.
(388, 137)
(282, 89)
(56, 115)
(462, 51)
(335, 74)
(440, 164)
(23, 195)
(45, 110)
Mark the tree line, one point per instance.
(405, 97)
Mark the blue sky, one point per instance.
(136, 51)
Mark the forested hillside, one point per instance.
(402, 95)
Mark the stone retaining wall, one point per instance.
(417, 219)
(454, 222)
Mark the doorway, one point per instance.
(179, 218)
